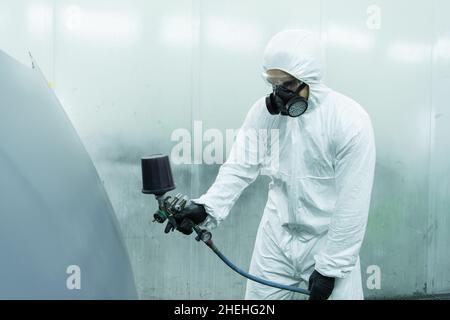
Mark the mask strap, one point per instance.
(302, 86)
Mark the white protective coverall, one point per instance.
(321, 180)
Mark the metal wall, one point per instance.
(130, 73)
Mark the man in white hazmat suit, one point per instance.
(316, 213)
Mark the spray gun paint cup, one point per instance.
(157, 176)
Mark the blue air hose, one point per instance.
(211, 245)
(206, 237)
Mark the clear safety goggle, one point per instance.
(286, 81)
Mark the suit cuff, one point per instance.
(211, 222)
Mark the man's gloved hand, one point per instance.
(320, 287)
(193, 212)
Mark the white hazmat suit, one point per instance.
(321, 167)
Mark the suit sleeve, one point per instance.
(240, 170)
(354, 173)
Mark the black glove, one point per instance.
(193, 212)
(320, 287)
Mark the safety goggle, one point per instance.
(287, 81)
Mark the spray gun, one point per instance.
(167, 210)
(157, 179)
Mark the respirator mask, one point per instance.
(285, 98)
(287, 102)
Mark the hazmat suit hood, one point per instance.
(299, 53)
